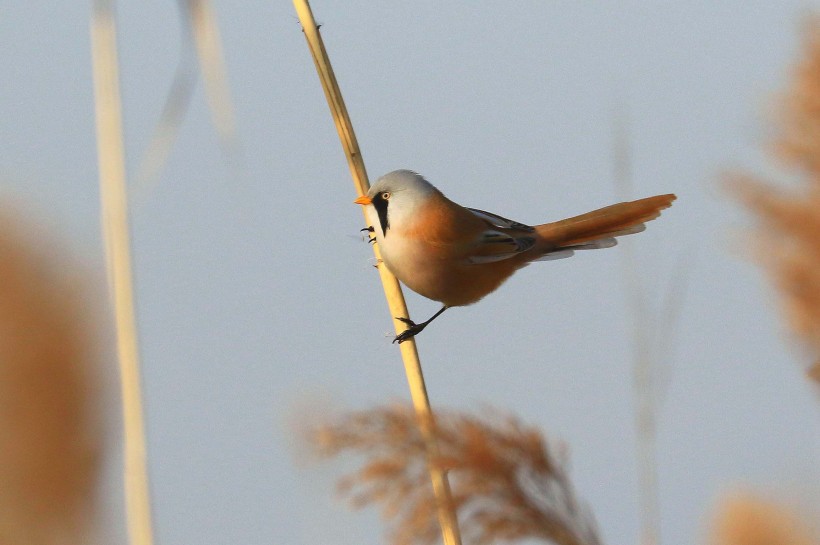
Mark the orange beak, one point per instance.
(364, 199)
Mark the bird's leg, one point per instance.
(414, 328)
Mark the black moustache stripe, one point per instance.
(381, 209)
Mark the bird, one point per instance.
(457, 255)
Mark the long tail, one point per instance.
(598, 228)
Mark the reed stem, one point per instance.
(392, 290)
(114, 212)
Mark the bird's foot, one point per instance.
(412, 330)
(369, 230)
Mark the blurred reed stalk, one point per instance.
(214, 74)
(642, 364)
(652, 339)
(177, 101)
(392, 290)
(198, 28)
(642, 361)
(114, 210)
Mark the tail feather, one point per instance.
(619, 219)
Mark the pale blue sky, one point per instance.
(256, 300)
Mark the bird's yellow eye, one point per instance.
(385, 195)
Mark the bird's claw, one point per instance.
(412, 330)
(369, 229)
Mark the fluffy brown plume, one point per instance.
(48, 446)
(798, 139)
(788, 243)
(746, 520)
(507, 484)
(789, 234)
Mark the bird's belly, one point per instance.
(413, 264)
(437, 274)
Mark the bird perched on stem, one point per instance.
(457, 255)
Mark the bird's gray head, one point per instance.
(396, 195)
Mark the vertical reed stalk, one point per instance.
(643, 364)
(114, 210)
(392, 289)
(214, 75)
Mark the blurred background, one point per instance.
(257, 304)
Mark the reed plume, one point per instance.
(507, 484)
(49, 441)
(788, 236)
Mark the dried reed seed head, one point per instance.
(798, 143)
(745, 520)
(814, 372)
(505, 481)
(49, 443)
(789, 246)
(790, 219)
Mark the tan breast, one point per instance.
(429, 254)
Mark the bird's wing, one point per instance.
(493, 245)
(499, 221)
(503, 238)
